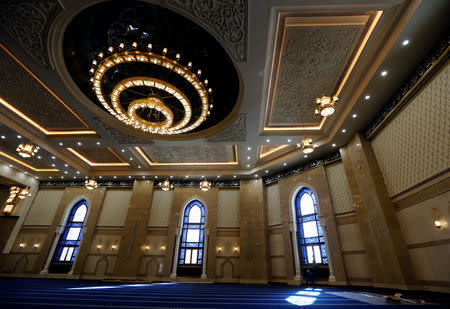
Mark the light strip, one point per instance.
(151, 163)
(341, 85)
(79, 155)
(42, 129)
(265, 154)
(27, 165)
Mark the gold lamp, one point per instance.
(326, 105)
(166, 185)
(24, 193)
(205, 185)
(26, 150)
(91, 184)
(306, 145)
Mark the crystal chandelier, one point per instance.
(131, 113)
(26, 150)
(166, 185)
(326, 105)
(306, 145)
(91, 184)
(205, 185)
(24, 193)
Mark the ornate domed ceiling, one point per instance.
(150, 67)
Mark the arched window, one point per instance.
(192, 235)
(70, 239)
(311, 242)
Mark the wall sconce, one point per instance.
(437, 219)
(163, 247)
(99, 246)
(22, 245)
(219, 249)
(114, 246)
(236, 249)
(36, 245)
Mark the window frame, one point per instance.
(302, 241)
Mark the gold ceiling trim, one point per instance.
(152, 163)
(267, 153)
(32, 122)
(28, 165)
(348, 71)
(79, 155)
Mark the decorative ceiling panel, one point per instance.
(26, 94)
(226, 154)
(313, 55)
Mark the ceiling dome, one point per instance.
(151, 68)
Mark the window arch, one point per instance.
(70, 239)
(311, 241)
(192, 234)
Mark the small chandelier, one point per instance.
(91, 184)
(166, 185)
(205, 185)
(24, 193)
(26, 150)
(306, 145)
(326, 106)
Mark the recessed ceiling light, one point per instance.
(62, 177)
(123, 150)
(79, 143)
(53, 157)
(284, 164)
(383, 73)
(60, 144)
(344, 130)
(333, 145)
(249, 148)
(74, 177)
(405, 42)
(143, 176)
(85, 177)
(248, 158)
(156, 177)
(65, 165)
(129, 176)
(65, 172)
(171, 177)
(289, 140)
(26, 173)
(78, 172)
(19, 136)
(305, 156)
(187, 176)
(36, 177)
(139, 166)
(39, 157)
(50, 177)
(256, 175)
(248, 165)
(53, 165)
(100, 177)
(218, 176)
(234, 176)
(267, 171)
(10, 165)
(203, 176)
(367, 97)
(98, 143)
(3, 137)
(131, 159)
(115, 177)
(268, 140)
(354, 116)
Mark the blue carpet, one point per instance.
(54, 293)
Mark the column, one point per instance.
(298, 274)
(323, 225)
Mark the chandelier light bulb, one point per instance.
(134, 45)
(205, 185)
(177, 56)
(306, 145)
(326, 105)
(164, 51)
(166, 185)
(91, 184)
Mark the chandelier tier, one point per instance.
(326, 105)
(26, 150)
(132, 113)
(306, 145)
(91, 184)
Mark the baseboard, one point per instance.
(250, 281)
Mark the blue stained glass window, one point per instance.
(193, 234)
(310, 238)
(70, 238)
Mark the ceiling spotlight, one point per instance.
(19, 136)
(3, 137)
(268, 140)
(53, 165)
(50, 177)
(384, 73)
(91, 184)
(354, 116)
(267, 171)
(305, 156)
(256, 175)
(78, 172)
(289, 140)
(60, 144)
(234, 176)
(284, 164)
(367, 97)
(187, 176)
(166, 185)
(218, 176)
(143, 177)
(53, 157)
(248, 165)
(205, 185)
(10, 165)
(26, 150)
(79, 143)
(156, 177)
(333, 145)
(129, 176)
(139, 166)
(131, 159)
(326, 105)
(123, 150)
(115, 177)
(248, 158)
(65, 172)
(405, 42)
(100, 177)
(344, 130)
(171, 177)
(65, 165)
(98, 143)
(249, 148)
(39, 157)
(306, 145)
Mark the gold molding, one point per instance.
(372, 19)
(265, 154)
(151, 163)
(27, 165)
(79, 155)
